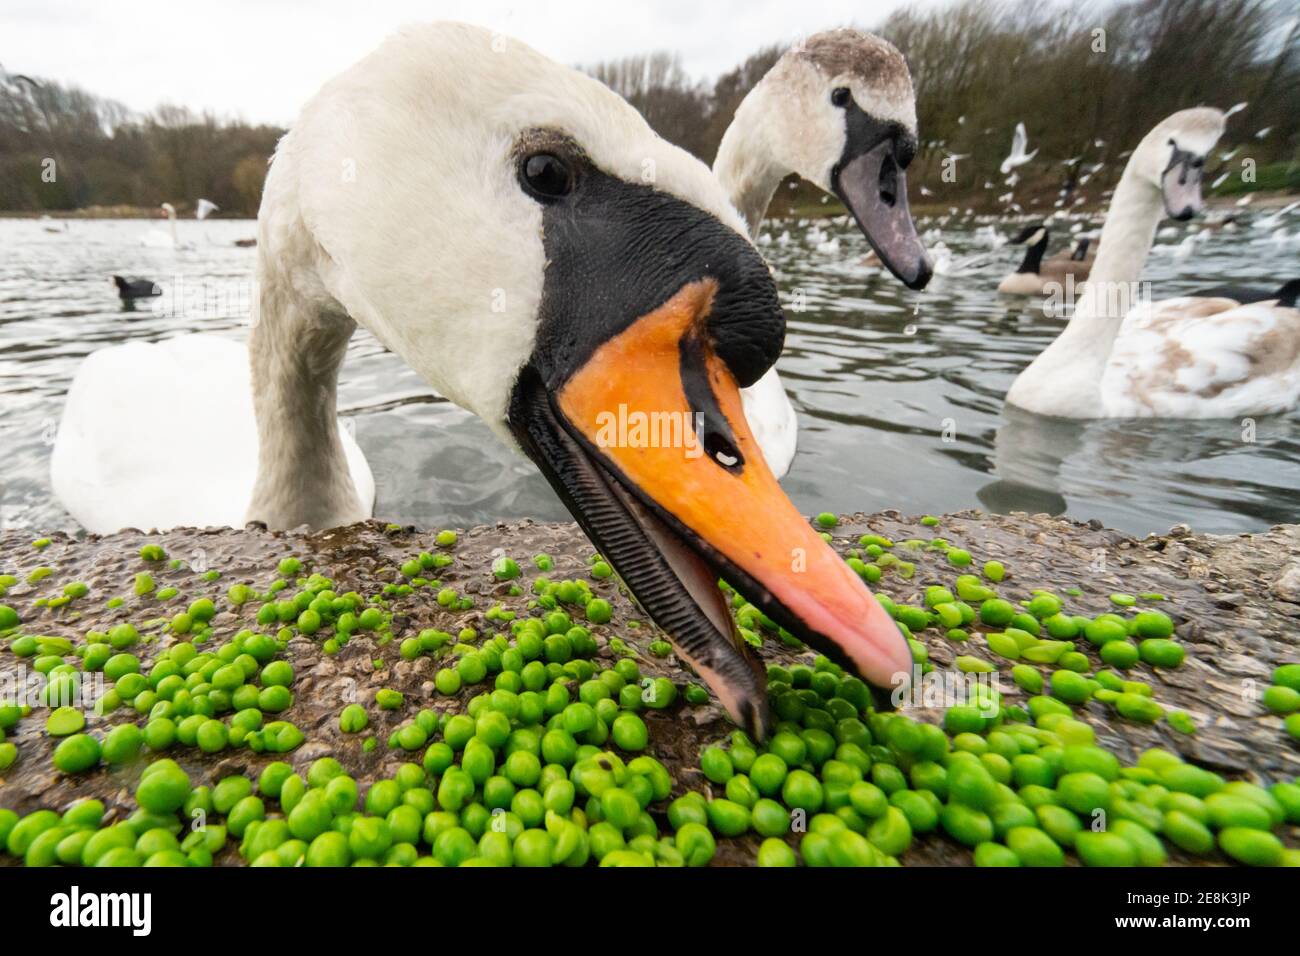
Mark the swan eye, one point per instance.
(546, 176)
(840, 96)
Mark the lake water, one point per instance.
(899, 393)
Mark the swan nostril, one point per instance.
(723, 451)
(889, 181)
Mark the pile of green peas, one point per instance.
(547, 763)
(841, 785)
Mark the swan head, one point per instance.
(516, 233)
(1172, 157)
(839, 109)
(168, 210)
(1031, 235)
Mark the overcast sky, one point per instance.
(261, 59)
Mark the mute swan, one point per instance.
(482, 211)
(163, 239)
(1188, 357)
(129, 398)
(838, 110)
(1036, 275)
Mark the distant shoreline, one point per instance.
(1271, 199)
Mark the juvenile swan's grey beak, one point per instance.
(874, 187)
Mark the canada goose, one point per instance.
(500, 238)
(1188, 357)
(1039, 276)
(837, 109)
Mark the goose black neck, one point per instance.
(1034, 255)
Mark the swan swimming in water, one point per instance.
(482, 172)
(164, 238)
(1189, 357)
(838, 110)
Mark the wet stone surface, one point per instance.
(1235, 601)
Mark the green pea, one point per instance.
(727, 817)
(243, 813)
(1186, 778)
(76, 753)
(1150, 851)
(1281, 700)
(1033, 847)
(64, 721)
(1122, 653)
(1187, 833)
(1160, 652)
(1070, 687)
(695, 843)
(995, 854)
(922, 815)
(1027, 678)
(24, 832)
(599, 611)
(1251, 847)
(966, 824)
(329, 848)
(1226, 810)
(1287, 796)
(970, 783)
(890, 832)
(776, 852)
(629, 732)
(229, 791)
(212, 736)
(1101, 848)
(534, 848)
(716, 765)
(1058, 823)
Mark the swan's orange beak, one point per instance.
(653, 314)
(662, 415)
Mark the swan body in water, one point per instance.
(1215, 356)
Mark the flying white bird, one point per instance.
(1264, 132)
(205, 208)
(1018, 156)
(1268, 222)
(1234, 110)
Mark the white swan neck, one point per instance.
(1065, 380)
(295, 350)
(745, 165)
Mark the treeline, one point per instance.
(62, 148)
(1087, 83)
